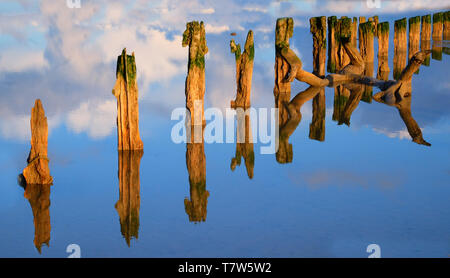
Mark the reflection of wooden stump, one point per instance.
(317, 126)
(196, 206)
(368, 90)
(129, 199)
(244, 71)
(126, 92)
(37, 171)
(244, 145)
(194, 37)
(39, 197)
(341, 96)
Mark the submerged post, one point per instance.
(126, 92)
(194, 37)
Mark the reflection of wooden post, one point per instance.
(414, 36)
(194, 37)
(318, 30)
(368, 90)
(341, 95)
(244, 71)
(129, 198)
(37, 171)
(400, 44)
(196, 206)
(383, 51)
(366, 41)
(244, 144)
(332, 44)
(425, 36)
(126, 92)
(39, 197)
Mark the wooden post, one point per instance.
(244, 71)
(194, 37)
(126, 92)
(400, 45)
(425, 37)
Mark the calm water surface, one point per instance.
(365, 183)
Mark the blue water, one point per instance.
(367, 183)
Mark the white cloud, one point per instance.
(18, 60)
(98, 119)
(216, 29)
(207, 11)
(401, 134)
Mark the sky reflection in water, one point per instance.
(367, 183)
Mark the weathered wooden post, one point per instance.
(194, 37)
(126, 92)
(400, 45)
(447, 31)
(366, 41)
(383, 50)
(244, 71)
(438, 25)
(37, 171)
(332, 45)
(282, 91)
(318, 29)
(425, 36)
(414, 36)
(344, 33)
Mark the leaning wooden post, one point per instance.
(282, 91)
(425, 36)
(400, 45)
(318, 29)
(244, 71)
(438, 25)
(332, 44)
(126, 92)
(194, 37)
(383, 50)
(37, 171)
(414, 36)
